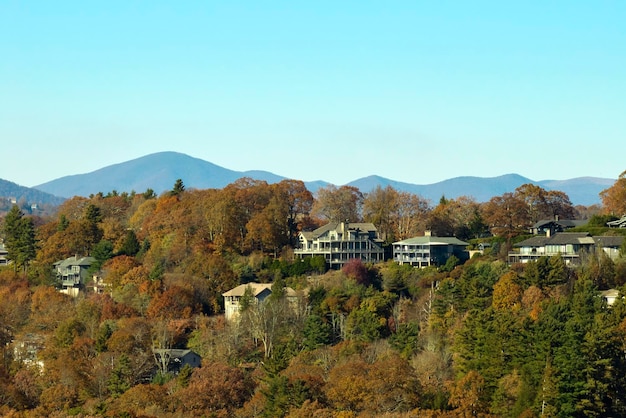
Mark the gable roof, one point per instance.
(75, 261)
(333, 226)
(564, 238)
(565, 223)
(175, 353)
(538, 241)
(431, 240)
(257, 289)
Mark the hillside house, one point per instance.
(556, 225)
(340, 242)
(259, 292)
(619, 223)
(610, 296)
(172, 360)
(72, 273)
(569, 245)
(3, 255)
(429, 250)
(26, 350)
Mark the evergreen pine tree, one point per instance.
(19, 238)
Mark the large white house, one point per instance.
(340, 242)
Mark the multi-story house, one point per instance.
(429, 250)
(258, 291)
(569, 245)
(72, 273)
(555, 225)
(339, 242)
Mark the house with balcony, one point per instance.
(340, 242)
(429, 250)
(569, 245)
(618, 223)
(72, 273)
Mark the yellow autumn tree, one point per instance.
(507, 293)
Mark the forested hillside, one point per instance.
(25, 197)
(370, 340)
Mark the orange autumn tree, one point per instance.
(215, 389)
(614, 198)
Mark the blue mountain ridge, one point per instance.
(159, 171)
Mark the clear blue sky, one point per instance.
(415, 91)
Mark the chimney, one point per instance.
(428, 233)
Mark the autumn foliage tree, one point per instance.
(481, 339)
(614, 198)
(216, 389)
(514, 213)
(338, 204)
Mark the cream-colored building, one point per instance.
(259, 292)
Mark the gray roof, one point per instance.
(566, 223)
(75, 261)
(332, 226)
(564, 238)
(538, 241)
(175, 352)
(431, 240)
(570, 238)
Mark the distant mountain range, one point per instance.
(160, 171)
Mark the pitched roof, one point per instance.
(257, 288)
(76, 261)
(333, 226)
(561, 238)
(174, 352)
(566, 223)
(610, 293)
(538, 241)
(431, 240)
(570, 238)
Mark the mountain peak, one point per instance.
(159, 171)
